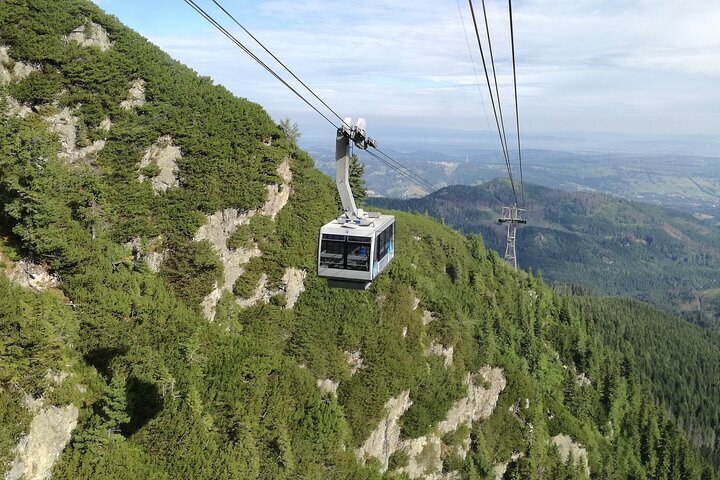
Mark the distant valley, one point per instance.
(683, 181)
(605, 244)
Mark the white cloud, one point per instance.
(614, 65)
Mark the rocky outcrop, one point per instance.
(136, 95)
(217, 230)
(164, 155)
(582, 380)
(18, 71)
(480, 401)
(37, 452)
(425, 453)
(105, 124)
(31, 275)
(15, 109)
(570, 449)
(151, 252)
(262, 294)
(64, 124)
(5, 75)
(278, 195)
(221, 225)
(441, 350)
(326, 385)
(90, 34)
(294, 281)
(355, 361)
(22, 70)
(385, 439)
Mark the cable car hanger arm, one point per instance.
(346, 134)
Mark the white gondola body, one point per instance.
(352, 255)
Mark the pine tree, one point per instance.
(357, 183)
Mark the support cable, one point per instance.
(497, 90)
(517, 109)
(390, 162)
(210, 19)
(427, 189)
(477, 78)
(420, 180)
(492, 99)
(342, 120)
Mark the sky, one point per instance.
(637, 67)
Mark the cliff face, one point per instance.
(178, 227)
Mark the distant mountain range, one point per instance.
(684, 181)
(603, 243)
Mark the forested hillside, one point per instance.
(160, 317)
(682, 361)
(605, 244)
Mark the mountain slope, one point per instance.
(191, 337)
(609, 245)
(681, 360)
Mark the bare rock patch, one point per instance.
(18, 71)
(90, 34)
(64, 124)
(278, 195)
(15, 109)
(326, 385)
(294, 281)
(355, 361)
(217, 230)
(427, 317)
(425, 453)
(385, 439)
(441, 350)
(262, 294)
(136, 95)
(149, 251)
(570, 449)
(164, 155)
(31, 275)
(37, 452)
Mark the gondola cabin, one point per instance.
(351, 254)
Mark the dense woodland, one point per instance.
(165, 394)
(605, 244)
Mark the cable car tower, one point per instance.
(357, 246)
(512, 216)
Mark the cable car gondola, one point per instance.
(356, 247)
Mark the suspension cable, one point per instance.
(427, 189)
(342, 120)
(210, 19)
(517, 110)
(428, 186)
(477, 78)
(396, 165)
(497, 90)
(492, 99)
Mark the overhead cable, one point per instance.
(492, 99)
(497, 90)
(427, 189)
(517, 109)
(472, 62)
(342, 120)
(419, 179)
(210, 19)
(390, 162)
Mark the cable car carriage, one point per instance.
(356, 247)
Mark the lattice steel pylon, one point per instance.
(512, 216)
